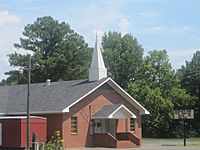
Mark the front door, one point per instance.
(110, 126)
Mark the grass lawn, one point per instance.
(189, 141)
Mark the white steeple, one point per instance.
(97, 69)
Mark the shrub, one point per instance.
(56, 143)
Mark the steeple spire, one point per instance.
(97, 69)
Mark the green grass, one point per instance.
(169, 139)
(190, 141)
(159, 140)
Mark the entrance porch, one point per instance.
(105, 127)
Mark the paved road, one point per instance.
(146, 148)
(153, 146)
(168, 146)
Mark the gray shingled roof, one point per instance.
(52, 98)
(106, 110)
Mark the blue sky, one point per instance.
(173, 25)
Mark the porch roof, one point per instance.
(115, 111)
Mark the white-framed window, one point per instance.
(74, 125)
(132, 124)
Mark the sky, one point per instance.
(173, 25)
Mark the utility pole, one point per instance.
(28, 107)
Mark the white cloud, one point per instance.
(178, 57)
(124, 24)
(182, 53)
(166, 30)
(34, 8)
(149, 14)
(10, 32)
(7, 18)
(98, 16)
(95, 17)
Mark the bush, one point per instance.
(56, 143)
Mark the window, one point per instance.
(132, 124)
(73, 125)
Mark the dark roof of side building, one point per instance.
(43, 98)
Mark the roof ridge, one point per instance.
(42, 83)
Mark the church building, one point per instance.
(94, 112)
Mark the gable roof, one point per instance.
(118, 89)
(128, 97)
(55, 98)
(112, 111)
(44, 99)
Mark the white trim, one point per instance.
(122, 106)
(124, 94)
(20, 117)
(111, 115)
(67, 108)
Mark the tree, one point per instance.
(158, 70)
(59, 52)
(123, 57)
(160, 92)
(190, 80)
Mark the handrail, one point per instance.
(111, 136)
(136, 139)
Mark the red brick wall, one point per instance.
(104, 140)
(54, 123)
(102, 96)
